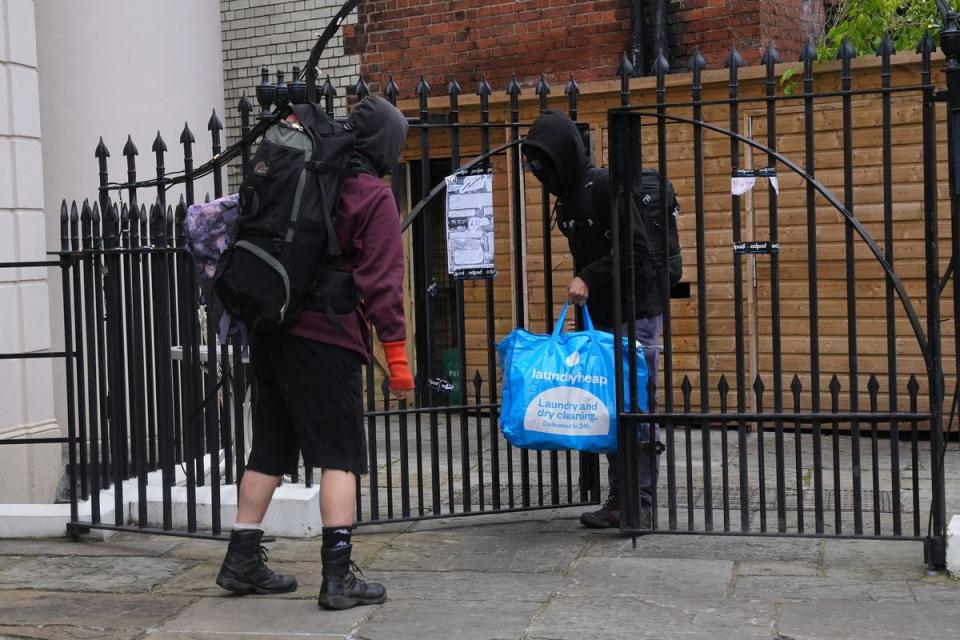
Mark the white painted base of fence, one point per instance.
(953, 547)
(293, 513)
(50, 520)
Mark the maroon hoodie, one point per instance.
(369, 234)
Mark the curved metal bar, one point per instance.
(463, 169)
(850, 218)
(309, 72)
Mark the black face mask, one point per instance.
(544, 170)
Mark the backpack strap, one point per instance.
(274, 264)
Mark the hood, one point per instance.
(556, 135)
(381, 132)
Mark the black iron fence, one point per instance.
(160, 406)
(154, 398)
(839, 480)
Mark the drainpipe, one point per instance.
(637, 36)
(659, 24)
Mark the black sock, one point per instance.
(336, 537)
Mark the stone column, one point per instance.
(30, 472)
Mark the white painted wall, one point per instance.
(26, 386)
(78, 70)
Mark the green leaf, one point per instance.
(865, 22)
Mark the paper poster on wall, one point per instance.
(743, 180)
(470, 241)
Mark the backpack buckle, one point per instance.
(277, 244)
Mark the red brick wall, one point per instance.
(716, 25)
(467, 38)
(472, 37)
(790, 23)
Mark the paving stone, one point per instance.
(82, 573)
(102, 611)
(596, 577)
(820, 588)
(548, 520)
(761, 568)
(643, 618)
(706, 547)
(59, 632)
(115, 546)
(871, 621)
(878, 559)
(466, 620)
(937, 589)
(263, 615)
(469, 586)
(200, 580)
(207, 550)
(7, 563)
(466, 551)
(267, 635)
(284, 549)
(542, 578)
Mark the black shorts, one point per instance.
(307, 397)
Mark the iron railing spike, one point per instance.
(214, 124)
(423, 89)
(886, 48)
(102, 151)
(186, 137)
(159, 146)
(130, 149)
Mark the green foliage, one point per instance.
(865, 22)
(788, 80)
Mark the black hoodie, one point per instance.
(583, 215)
(381, 133)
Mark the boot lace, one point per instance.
(611, 504)
(262, 551)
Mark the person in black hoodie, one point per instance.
(555, 154)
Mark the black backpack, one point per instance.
(284, 256)
(652, 209)
(648, 222)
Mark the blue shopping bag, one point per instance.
(559, 390)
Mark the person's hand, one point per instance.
(578, 291)
(401, 381)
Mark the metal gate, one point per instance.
(840, 433)
(158, 411)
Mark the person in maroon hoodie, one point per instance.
(308, 378)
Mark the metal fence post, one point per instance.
(950, 44)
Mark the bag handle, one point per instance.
(558, 327)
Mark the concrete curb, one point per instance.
(953, 547)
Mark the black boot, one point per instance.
(243, 569)
(341, 588)
(607, 516)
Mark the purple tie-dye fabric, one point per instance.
(209, 231)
